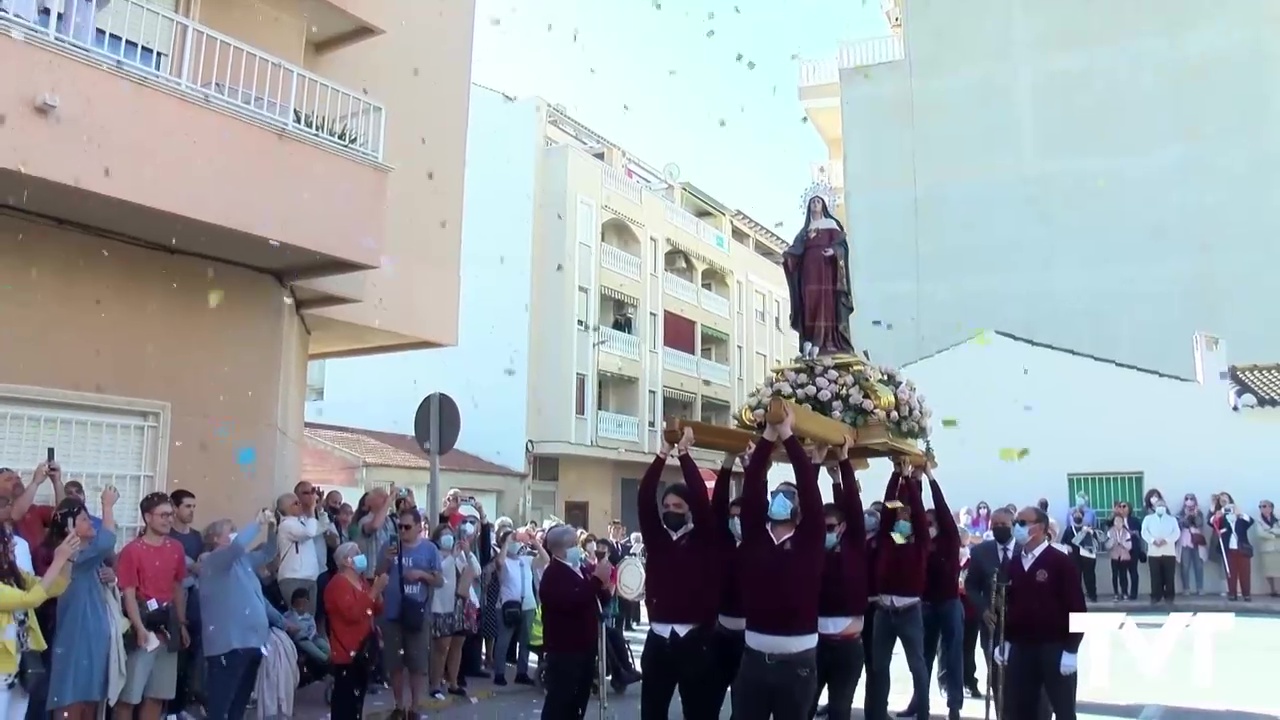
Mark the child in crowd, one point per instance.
(315, 646)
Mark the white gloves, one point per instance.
(1068, 664)
(1001, 654)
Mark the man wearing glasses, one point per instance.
(30, 519)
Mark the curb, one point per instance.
(431, 705)
(1268, 608)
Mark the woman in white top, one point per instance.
(295, 544)
(516, 606)
(454, 608)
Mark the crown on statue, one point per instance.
(823, 190)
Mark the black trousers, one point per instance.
(726, 657)
(1163, 571)
(676, 663)
(350, 682)
(780, 687)
(839, 664)
(868, 642)
(1089, 574)
(567, 678)
(1121, 570)
(971, 633)
(1133, 579)
(1032, 676)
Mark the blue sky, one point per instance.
(651, 80)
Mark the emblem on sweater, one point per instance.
(1042, 575)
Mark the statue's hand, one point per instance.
(828, 252)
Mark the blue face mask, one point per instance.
(573, 556)
(780, 507)
(468, 529)
(446, 542)
(1021, 533)
(360, 563)
(832, 539)
(903, 528)
(873, 522)
(735, 527)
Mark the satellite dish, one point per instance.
(671, 173)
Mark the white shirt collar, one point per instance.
(688, 527)
(1031, 555)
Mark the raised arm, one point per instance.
(851, 502)
(720, 497)
(651, 528)
(891, 487)
(755, 490)
(699, 503)
(947, 528)
(220, 560)
(807, 490)
(915, 504)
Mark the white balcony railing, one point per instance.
(713, 303)
(678, 287)
(681, 362)
(209, 68)
(617, 427)
(620, 261)
(616, 181)
(875, 51)
(819, 72)
(712, 371)
(686, 221)
(619, 343)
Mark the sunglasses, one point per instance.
(407, 526)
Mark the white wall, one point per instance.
(487, 373)
(1093, 174)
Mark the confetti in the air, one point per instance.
(495, 21)
(1009, 454)
(722, 122)
(738, 58)
(711, 16)
(751, 65)
(246, 456)
(711, 33)
(950, 422)
(215, 298)
(982, 338)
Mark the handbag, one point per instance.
(413, 612)
(32, 672)
(512, 614)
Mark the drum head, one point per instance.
(630, 579)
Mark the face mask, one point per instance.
(780, 508)
(872, 521)
(674, 521)
(590, 548)
(1021, 533)
(232, 537)
(468, 529)
(832, 539)
(1002, 534)
(1077, 521)
(446, 542)
(573, 556)
(735, 527)
(903, 528)
(933, 533)
(360, 563)
(513, 550)
(1161, 510)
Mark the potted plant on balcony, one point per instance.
(341, 133)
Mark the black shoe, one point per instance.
(499, 680)
(397, 714)
(524, 680)
(953, 714)
(909, 712)
(459, 691)
(974, 692)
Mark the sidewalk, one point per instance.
(1261, 605)
(309, 702)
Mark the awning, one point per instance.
(690, 250)
(713, 332)
(619, 295)
(680, 395)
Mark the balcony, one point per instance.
(713, 303)
(338, 23)
(685, 220)
(679, 288)
(616, 181)
(620, 261)
(199, 144)
(615, 426)
(681, 362)
(619, 343)
(713, 372)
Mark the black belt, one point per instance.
(774, 658)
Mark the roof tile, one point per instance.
(383, 449)
(1260, 381)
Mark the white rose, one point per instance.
(824, 395)
(832, 374)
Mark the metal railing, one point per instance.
(712, 371)
(617, 427)
(680, 288)
(211, 68)
(713, 303)
(686, 221)
(616, 181)
(620, 261)
(681, 362)
(819, 72)
(863, 53)
(619, 343)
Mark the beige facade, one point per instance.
(199, 197)
(680, 307)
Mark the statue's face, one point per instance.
(815, 206)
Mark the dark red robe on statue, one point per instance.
(819, 288)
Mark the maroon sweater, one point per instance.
(942, 567)
(781, 581)
(671, 563)
(1040, 600)
(726, 546)
(570, 609)
(900, 568)
(844, 571)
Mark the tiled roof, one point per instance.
(383, 449)
(1260, 381)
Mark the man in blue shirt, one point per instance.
(406, 607)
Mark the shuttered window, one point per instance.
(1105, 490)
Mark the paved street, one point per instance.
(1240, 687)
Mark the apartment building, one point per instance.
(604, 298)
(195, 198)
(1020, 165)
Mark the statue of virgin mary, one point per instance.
(817, 270)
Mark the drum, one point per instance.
(631, 579)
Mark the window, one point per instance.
(580, 395)
(315, 380)
(742, 297)
(653, 255)
(653, 332)
(761, 304)
(762, 365)
(584, 307)
(1105, 490)
(546, 469)
(777, 314)
(653, 409)
(741, 369)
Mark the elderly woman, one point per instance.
(453, 610)
(235, 616)
(352, 603)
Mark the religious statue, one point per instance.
(817, 270)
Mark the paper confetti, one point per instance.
(950, 422)
(246, 456)
(1023, 453)
(1009, 454)
(215, 298)
(982, 338)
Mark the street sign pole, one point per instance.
(433, 493)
